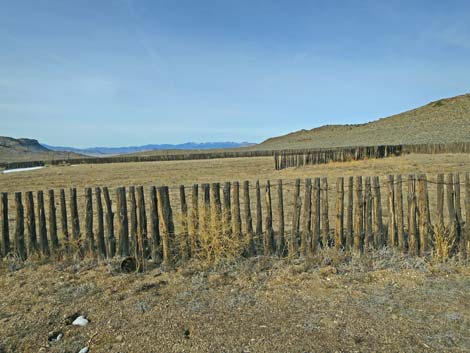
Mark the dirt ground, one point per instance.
(378, 303)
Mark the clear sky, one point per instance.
(131, 72)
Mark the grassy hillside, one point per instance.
(19, 150)
(442, 121)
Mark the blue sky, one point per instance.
(130, 72)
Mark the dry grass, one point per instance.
(331, 303)
(444, 242)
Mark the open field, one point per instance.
(175, 173)
(377, 303)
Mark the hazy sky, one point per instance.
(127, 72)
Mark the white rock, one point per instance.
(83, 350)
(80, 321)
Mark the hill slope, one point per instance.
(23, 149)
(442, 121)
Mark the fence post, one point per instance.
(306, 233)
(123, 222)
(280, 240)
(194, 218)
(424, 227)
(5, 225)
(295, 220)
(358, 215)
(236, 216)
(154, 226)
(216, 209)
(227, 214)
(349, 215)
(268, 239)
(74, 215)
(339, 231)
(316, 214)
(325, 218)
(133, 243)
(109, 224)
(100, 224)
(184, 236)
(413, 239)
(43, 242)
(259, 213)
(440, 200)
(206, 201)
(53, 222)
(166, 224)
(368, 240)
(31, 223)
(392, 225)
(90, 240)
(63, 220)
(142, 227)
(451, 206)
(399, 207)
(248, 218)
(458, 208)
(377, 201)
(20, 247)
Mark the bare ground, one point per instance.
(332, 303)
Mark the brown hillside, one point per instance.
(23, 149)
(442, 121)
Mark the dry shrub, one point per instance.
(444, 242)
(215, 244)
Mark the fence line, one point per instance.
(358, 215)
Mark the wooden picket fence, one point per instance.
(286, 218)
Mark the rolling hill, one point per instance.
(443, 121)
(24, 149)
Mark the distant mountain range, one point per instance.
(94, 151)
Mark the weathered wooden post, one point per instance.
(122, 221)
(268, 239)
(294, 236)
(154, 226)
(306, 233)
(259, 212)
(358, 215)
(133, 243)
(423, 207)
(392, 225)
(5, 225)
(400, 218)
(90, 239)
(20, 247)
(227, 214)
(216, 210)
(53, 222)
(142, 239)
(368, 236)
(248, 219)
(166, 224)
(451, 206)
(63, 220)
(194, 218)
(100, 224)
(184, 236)
(236, 216)
(440, 200)
(324, 212)
(377, 214)
(413, 239)
(316, 213)
(74, 214)
(31, 224)
(43, 242)
(349, 215)
(206, 209)
(279, 238)
(109, 224)
(339, 231)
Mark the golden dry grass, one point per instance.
(380, 303)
